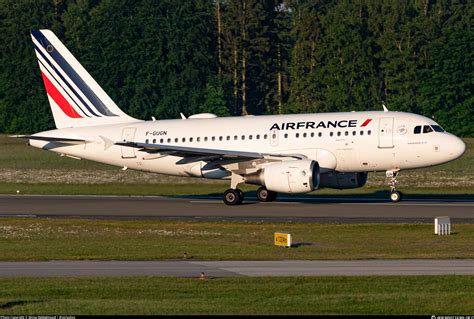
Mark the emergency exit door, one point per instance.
(386, 132)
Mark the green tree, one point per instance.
(23, 103)
(217, 96)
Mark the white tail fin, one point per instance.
(74, 96)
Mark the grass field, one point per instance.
(76, 239)
(33, 171)
(423, 295)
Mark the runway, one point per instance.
(237, 268)
(209, 208)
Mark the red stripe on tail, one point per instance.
(59, 99)
(366, 122)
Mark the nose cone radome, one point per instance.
(456, 147)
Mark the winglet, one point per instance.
(384, 108)
(182, 116)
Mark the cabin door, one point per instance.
(128, 135)
(386, 132)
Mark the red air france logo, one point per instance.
(366, 122)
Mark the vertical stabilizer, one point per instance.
(74, 96)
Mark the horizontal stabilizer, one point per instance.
(51, 139)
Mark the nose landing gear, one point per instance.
(395, 196)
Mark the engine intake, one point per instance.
(298, 176)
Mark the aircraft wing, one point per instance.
(185, 151)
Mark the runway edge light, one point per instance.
(282, 240)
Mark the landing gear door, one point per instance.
(386, 132)
(274, 137)
(128, 135)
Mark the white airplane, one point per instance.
(296, 153)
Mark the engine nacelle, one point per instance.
(299, 176)
(343, 180)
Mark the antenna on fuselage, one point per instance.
(384, 108)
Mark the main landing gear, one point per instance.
(233, 197)
(236, 196)
(264, 195)
(395, 196)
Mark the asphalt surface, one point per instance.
(207, 208)
(237, 268)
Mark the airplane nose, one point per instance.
(456, 147)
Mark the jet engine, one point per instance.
(343, 180)
(298, 176)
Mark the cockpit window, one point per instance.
(437, 128)
(417, 129)
(427, 129)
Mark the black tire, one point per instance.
(233, 197)
(264, 195)
(395, 197)
(241, 193)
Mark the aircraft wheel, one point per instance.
(395, 196)
(264, 195)
(233, 197)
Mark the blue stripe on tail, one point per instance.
(78, 81)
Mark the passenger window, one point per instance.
(361, 132)
(369, 132)
(258, 136)
(243, 137)
(250, 137)
(228, 137)
(205, 139)
(417, 129)
(169, 140)
(220, 138)
(183, 139)
(346, 133)
(265, 136)
(312, 134)
(320, 134)
(146, 141)
(331, 133)
(176, 140)
(191, 139)
(161, 141)
(286, 135)
(427, 129)
(235, 137)
(338, 133)
(297, 135)
(213, 138)
(354, 133)
(198, 139)
(154, 141)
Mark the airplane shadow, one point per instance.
(372, 197)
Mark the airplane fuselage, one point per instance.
(343, 142)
